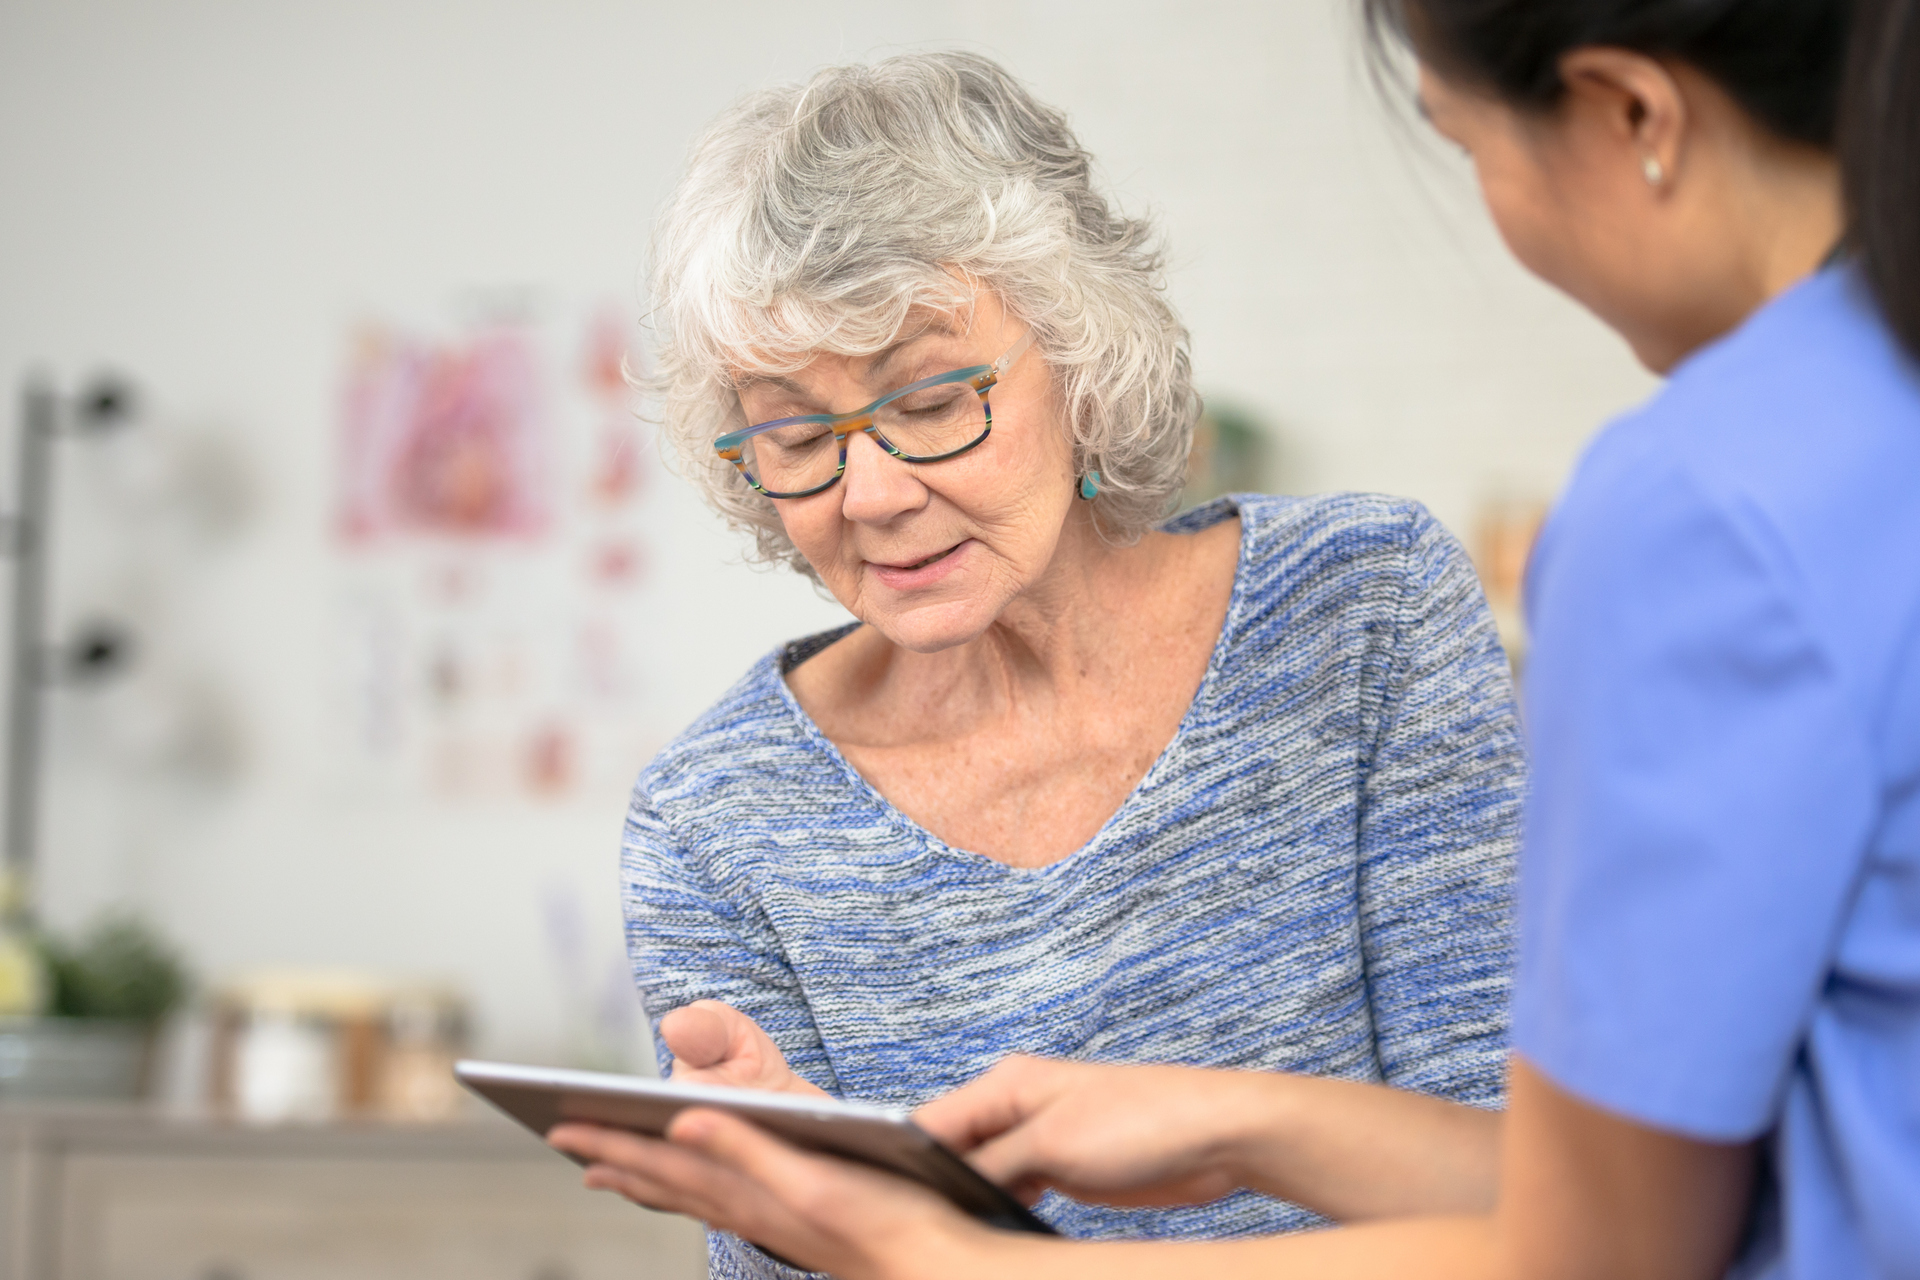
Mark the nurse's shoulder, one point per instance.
(1810, 391)
(1793, 442)
(1802, 426)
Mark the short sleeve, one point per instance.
(1703, 789)
(1439, 830)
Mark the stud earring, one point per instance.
(1654, 172)
(1089, 486)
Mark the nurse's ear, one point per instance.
(1632, 106)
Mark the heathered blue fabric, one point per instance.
(1315, 876)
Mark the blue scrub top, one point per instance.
(1720, 888)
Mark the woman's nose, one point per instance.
(876, 485)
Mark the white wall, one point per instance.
(209, 194)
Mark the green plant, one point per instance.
(120, 968)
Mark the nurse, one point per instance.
(1716, 1055)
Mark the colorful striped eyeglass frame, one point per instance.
(982, 377)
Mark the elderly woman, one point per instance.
(1238, 789)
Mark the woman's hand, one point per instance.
(714, 1043)
(815, 1211)
(1119, 1135)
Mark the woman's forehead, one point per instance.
(764, 367)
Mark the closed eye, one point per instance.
(798, 435)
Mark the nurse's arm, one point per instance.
(1584, 1195)
(1588, 1193)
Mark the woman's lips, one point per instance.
(921, 564)
(918, 573)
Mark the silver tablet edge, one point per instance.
(468, 1069)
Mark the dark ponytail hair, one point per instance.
(1880, 158)
(1781, 60)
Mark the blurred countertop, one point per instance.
(130, 1127)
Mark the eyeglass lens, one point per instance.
(922, 425)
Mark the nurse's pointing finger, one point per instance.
(992, 1103)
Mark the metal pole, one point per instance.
(39, 420)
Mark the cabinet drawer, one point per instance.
(162, 1217)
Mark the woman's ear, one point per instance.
(1635, 104)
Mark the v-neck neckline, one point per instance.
(1109, 830)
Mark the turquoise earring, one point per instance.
(1089, 486)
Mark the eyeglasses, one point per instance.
(926, 421)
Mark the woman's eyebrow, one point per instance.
(744, 381)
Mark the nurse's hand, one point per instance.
(714, 1043)
(814, 1211)
(1149, 1135)
(1122, 1135)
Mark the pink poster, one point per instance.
(444, 439)
(494, 569)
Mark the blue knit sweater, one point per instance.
(1315, 876)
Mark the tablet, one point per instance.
(544, 1097)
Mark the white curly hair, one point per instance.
(827, 216)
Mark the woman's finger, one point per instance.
(702, 1034)
(839, 1200)
(746, 1148)
(731, 1175)
(661, 1163)
(714, 1043)
(604, 1144)
(647, 1192)
(676, 1173)
(674, 1179)
(715, 1194)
